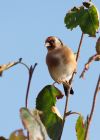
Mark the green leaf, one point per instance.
(17, 135)
(33, 124)
(87, 4)
(86, 17)
(53, 124)
(72, 17)
(51, 117)
(47, 97)
(80, 128)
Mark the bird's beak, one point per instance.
(47, 44)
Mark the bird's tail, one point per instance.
(66, 89)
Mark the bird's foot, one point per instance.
(67, 84)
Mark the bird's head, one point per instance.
(53, 42)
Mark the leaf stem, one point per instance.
(67, 97)
(92, 109)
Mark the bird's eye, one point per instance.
(52, 41)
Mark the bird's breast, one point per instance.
(52, 60)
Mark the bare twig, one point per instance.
(73, 113)
(92, 109)
(91, 59)
(80, 44)
(31, 70)
(25, 65)
(65, 110)
(67, 97)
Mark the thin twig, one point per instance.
(73, 113)
(31, 70)
(77, 56)
(65, 110)
(86, 67)
(92, 109)
(80, 44)
(25, 65)
(67, 97)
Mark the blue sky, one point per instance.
(24, 26)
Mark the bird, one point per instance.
(61, 61)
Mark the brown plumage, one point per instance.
(60, 60)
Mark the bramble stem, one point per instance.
(92, 108)
(25, 65)
(67, 97)
(91, 59)
(31, 70)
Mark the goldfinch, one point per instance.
(60, 60)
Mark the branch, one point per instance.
(91, 59)
(73, 113)
(25, 65)
(31, 70)
(70, 83)
(93, 107)
(79, 48)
